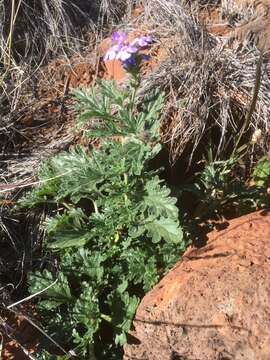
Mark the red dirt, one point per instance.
(257, 29)
(114, 68)
(20, 336)
(214, 304)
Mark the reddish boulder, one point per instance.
(214, 304)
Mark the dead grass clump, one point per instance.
(30, 29)
(20, 240)
(31, 33)
(209, 85)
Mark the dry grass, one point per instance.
(20, 237)
(209, 84)
(31, 33)
(20, 241)
(32, 29)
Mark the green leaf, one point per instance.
(167, 229)
(123, 286)
(158, 201)
(86, 262)
(261, 172)
(100, 102)
(68, 230)
(150, 112)
(58, 291)
(46, 191)
(141, 267)
(69, 239)
(86, 310)
(123, 307)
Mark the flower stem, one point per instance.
(135, 83)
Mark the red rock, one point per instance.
(214, 304)
(115, 70)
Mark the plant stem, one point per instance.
(135, 86)
(106, 317)
(253, 102)
(95, 207)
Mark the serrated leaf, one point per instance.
(67, 239)
(165, 228)
(86, 262)
(58, 291)
(86, 310)
(262, 171)
(141, 268)
(158, 199)
(123, 286)
(148, 118)
(123, 307)
(68, 230)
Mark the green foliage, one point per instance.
(261, 171)
(221, 189)
(45, 355)
(58, 292)
(116, 229)
(113, 111)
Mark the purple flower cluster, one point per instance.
(127, 52)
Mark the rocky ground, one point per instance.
(214, 303)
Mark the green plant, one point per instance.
(221, 187)
(113, 111)
(261, 173)
(116, 229)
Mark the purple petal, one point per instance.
(126, 52)
(142, 41)
(111, 54)
(119, 37)
(130, 62)
(123, 55)
(131, 49)
(145, 57)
